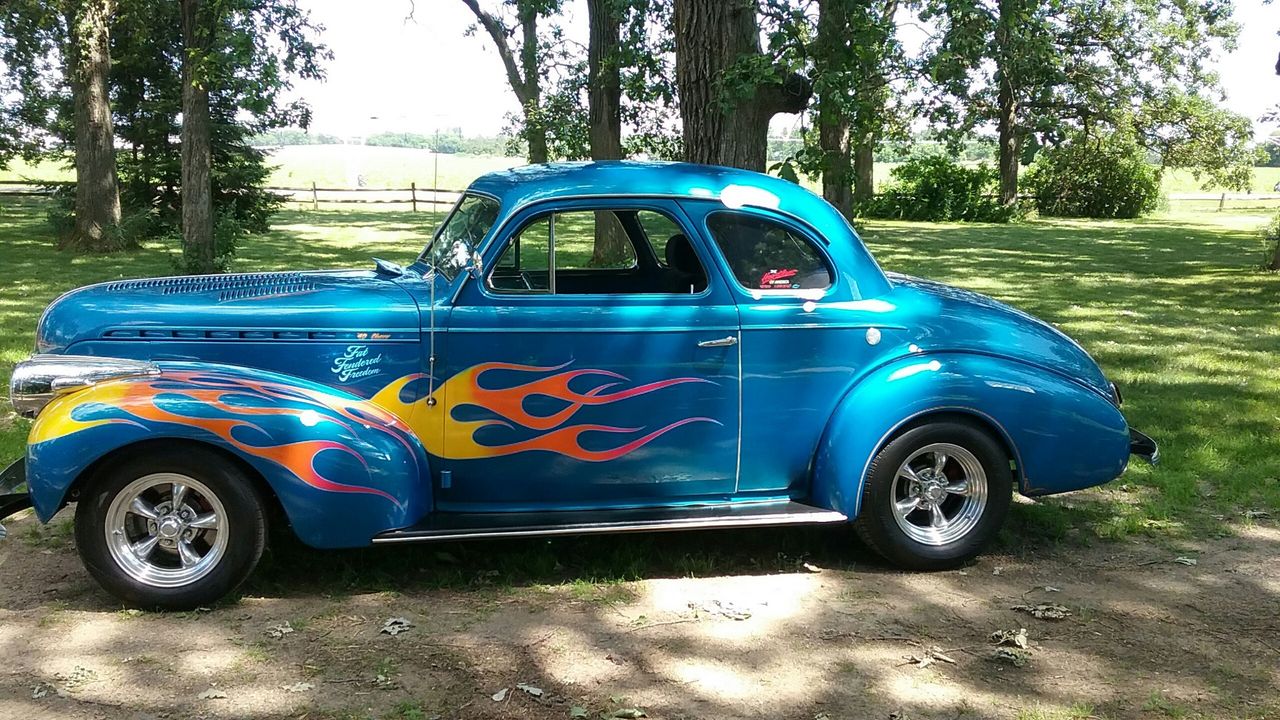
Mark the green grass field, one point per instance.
(1173, 307)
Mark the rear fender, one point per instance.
(1061, 435)
(343, 468)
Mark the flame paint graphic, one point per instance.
(445, 435)
(230, 408)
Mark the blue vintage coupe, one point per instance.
(581, 348)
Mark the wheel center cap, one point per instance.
(170, 527)
(934, 492)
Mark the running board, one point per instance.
(472, 526)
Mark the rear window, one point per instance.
(766, 255)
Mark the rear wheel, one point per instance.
(172, 529)
(935, 495)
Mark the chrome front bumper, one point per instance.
(13, 492)
(1144, 447)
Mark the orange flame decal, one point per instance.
(445, 435)
(158, 399)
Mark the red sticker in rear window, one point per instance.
(778, 279)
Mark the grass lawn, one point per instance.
(1173, 307)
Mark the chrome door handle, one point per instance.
(722, 342)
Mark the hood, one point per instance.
(961, 320)
(285, 305)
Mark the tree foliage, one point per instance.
(937, 188)
(1043, 70)
(260, 48)
(1100, 176)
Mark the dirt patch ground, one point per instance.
(1144, 636)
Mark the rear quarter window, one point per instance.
(764, 254)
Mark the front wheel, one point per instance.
(171, 529)
(935, 495)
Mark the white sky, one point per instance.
(391, 75)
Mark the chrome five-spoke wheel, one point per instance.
(939, 493)
(173, 527)
(936, 493)
(166, 530)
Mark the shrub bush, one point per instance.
(1107, 176)
(936, 187)
(1271, 243)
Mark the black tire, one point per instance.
(877, 524)
(244, 508)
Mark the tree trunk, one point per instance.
(833, 111)
(97, 186)
(1275, 259)
(864, 171)
(837, 174)
(604, 102)
(531, 94)
(721, 129)
(1007, 103)
(198, 250)
(1008, 146)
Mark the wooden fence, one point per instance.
(432, 198)
(315, 196)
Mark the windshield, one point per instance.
(462, 232)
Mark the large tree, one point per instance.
(856, 57)
(1038, 70)
(199, 22)
(88, 67)
(513, 27)
(729, 89)
(74, 99)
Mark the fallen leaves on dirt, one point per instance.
(212, 694)
(500, 695)
(723, 609)
(929, 657)
(299, 687)
(396, 625)
(76, 679)
(276, 632)
(1016, 658)
(1188, 561)
(534, 691)
(1044, 611)
(1015, 638)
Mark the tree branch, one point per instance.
(498, 32)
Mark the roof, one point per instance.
(532, 183)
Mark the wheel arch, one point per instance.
(1036, 416)
(93, 470)
(342, 468)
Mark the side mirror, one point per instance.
(467, 258)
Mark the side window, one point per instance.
(580, 233)
(765, 255)
(658, 231)
(599, 252)
(525, 266)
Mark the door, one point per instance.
(581, 373)
(804, 333)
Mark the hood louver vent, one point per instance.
(228, 287)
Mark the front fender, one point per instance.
(343, 468)
(1063, 436)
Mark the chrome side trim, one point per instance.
(790, 518)
(40, 379)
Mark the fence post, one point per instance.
(315, 197)
(413, 195)
(1222, 201)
